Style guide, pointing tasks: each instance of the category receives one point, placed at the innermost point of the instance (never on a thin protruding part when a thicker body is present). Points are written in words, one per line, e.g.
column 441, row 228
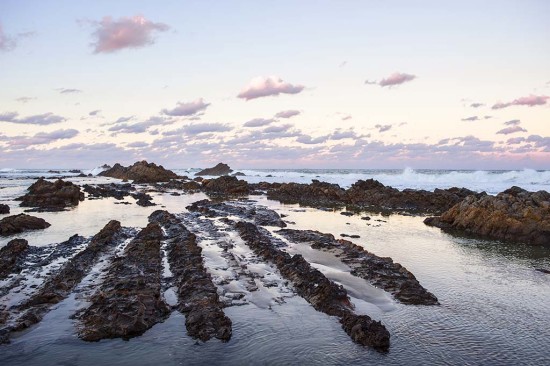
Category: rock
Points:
column 379, row 271
column 346, row 213
column 514, row 215
column 143, row 199
column 353, row 236
column 239, row 174
column 117, row 191
column 543, row 270
column 4, row 209
column 19, row 223
column 225, row 185
column 197, row 294
column 11, row 257
column 219, row 169
column 129, row 300
column 106, row 166
column 54, row 171
column 140, row 172
column 75, row 171
column 366, row 218
column 51, row 196
column 260, row 215
column 315, row 194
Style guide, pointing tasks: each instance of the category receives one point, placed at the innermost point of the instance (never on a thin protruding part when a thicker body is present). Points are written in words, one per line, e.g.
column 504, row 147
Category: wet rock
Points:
column 353, row 236
column 225, row 185
column 129, row 300
column 187, row 186
column 140, row 172
column 19, row 223
column 4, row 209
column 543, row 270
column 315, row 194
column 51, row 196
column 75, row 171
column 197, row 294
column 346, row 213
column 514, row 215
column 366, row 218
column 116, row 191
column 323, row 294
column 381, row 272
column 259, row 214
column 12, row 257
column 143, row 199
column 219, row 169
column 239, row 174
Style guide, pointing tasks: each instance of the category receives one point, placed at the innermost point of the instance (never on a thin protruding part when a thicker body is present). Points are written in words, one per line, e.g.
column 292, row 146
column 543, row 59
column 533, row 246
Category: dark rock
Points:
column 315, row 194
column 19, row 223
column 225, row 185
column 75, row 171
column 543, row 270
column 353, row 236
column 129, row 301
column 259, row 214
column 346, row 213
column 82, row 175
column 366, row 218
column 381, row 272
column 187, row 186
column 140, row 172
column 143, row 199
column 219, row 169
column 106, row 166
column 514, row 215
column 117, row 191
column 11, row 257
column 54, row 171
column 52, row 196
column 4, row 209
column 198, row 297
column 239, row 174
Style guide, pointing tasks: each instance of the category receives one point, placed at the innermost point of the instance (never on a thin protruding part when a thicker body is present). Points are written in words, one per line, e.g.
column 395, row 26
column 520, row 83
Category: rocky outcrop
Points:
column 140, row 172
column 19, row 223
column 11, row 257
column 513, row 215
column 219, row 169
column 116, row 191
column 197, row 294
column 129, row 300
column 4, row 209
column 381, row 272
column 258, row 214
column 323, row 294
column 225, row 185
column 143, row 199
column 51, row 196
column 316, row 194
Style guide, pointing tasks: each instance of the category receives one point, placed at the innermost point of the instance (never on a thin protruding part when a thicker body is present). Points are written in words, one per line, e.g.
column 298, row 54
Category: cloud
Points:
column 94, row 113
column 476, row 105
column 308, row 140
column 139, row 127
column 347, row 117
column 513, row 122
column 25, row 99
column 258, row 122
column 511, row 129
column 197, row 128
column 41, row 138
column 8, row 43
column 287, row 114
column 396, row 78
column 471, row 119
column 278, row 129
column 383, row 128
column 137, row 144
column 515, row 140
column 187, row 109
column 340, row 135
column 69, row 91
column 268, row 86
column 530, row 101
column 39, row 119
column 127, row 32
column 124, row 119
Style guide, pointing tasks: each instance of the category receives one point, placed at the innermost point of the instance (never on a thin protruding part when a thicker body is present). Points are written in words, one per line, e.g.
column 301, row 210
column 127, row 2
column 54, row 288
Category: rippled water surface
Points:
column 494, row 307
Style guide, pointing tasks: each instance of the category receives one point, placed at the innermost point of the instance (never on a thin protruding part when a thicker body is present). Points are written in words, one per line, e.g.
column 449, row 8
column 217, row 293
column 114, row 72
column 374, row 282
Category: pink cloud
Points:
column 531, row 101
column 511, row 129
column 187, row 109
column 287, row 114
column 268, row 86
column 397, row 78
column 113, row 35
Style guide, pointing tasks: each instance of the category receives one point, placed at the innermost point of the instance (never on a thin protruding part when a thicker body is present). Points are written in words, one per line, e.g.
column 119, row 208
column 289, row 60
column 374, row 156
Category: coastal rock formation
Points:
column 140, row 172
column 198, row 297
column 323, row 294
column 512, row 215
column 316, row 194
column 117, row 191
column 51, row 196
column 4, row 209
column 219, row 169
column 225, row 185
column 129, row 300
column 11, row 257
column 381, row 272
column 19, row 223
column 143, row 199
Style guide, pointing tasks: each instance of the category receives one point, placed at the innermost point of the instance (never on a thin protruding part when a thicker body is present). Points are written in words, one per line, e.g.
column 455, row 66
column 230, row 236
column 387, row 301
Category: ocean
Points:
column 494, row 302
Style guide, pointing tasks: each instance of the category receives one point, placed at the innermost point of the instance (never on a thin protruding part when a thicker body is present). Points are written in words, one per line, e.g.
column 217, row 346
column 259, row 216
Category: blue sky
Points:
column 381, row 84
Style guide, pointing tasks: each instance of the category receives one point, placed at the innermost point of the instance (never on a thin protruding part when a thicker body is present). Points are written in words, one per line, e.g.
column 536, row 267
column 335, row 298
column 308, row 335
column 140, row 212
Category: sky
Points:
column 275, row 84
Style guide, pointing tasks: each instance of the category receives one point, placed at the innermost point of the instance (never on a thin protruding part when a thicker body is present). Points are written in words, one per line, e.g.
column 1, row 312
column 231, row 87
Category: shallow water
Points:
column 494, row 304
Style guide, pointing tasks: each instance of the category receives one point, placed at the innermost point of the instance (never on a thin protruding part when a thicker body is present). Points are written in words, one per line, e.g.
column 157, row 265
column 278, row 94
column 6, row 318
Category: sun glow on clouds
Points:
column 268, row 86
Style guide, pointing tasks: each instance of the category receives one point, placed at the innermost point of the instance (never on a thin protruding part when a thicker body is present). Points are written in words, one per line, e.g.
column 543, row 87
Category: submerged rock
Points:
column 52, row 196
column 4, row 209
column 11, row 257
column 19, row 223
column 219, row 169
column 140, row 172
column 513, row 215
column 117, row 191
